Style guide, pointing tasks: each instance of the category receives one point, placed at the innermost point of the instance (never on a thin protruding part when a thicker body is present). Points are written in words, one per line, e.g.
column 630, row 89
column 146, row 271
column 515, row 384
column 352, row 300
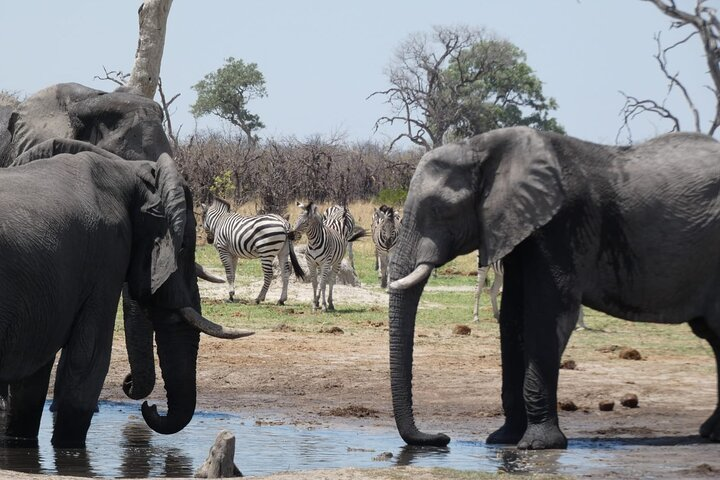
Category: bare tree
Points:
column 153, row 16
column 704, row 24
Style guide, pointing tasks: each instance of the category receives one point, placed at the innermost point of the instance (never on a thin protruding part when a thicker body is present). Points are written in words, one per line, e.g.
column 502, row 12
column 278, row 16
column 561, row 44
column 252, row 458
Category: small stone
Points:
column 606, row 405
column 461, row 330
column 567, row 405
column 629, row 400
column 630, row 354
column 383, row 457
column 568, row 365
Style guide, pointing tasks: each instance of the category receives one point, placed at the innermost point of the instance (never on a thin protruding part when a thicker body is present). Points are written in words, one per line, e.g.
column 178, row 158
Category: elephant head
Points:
column 162, row 279
column 122, row 122
column 490, row 193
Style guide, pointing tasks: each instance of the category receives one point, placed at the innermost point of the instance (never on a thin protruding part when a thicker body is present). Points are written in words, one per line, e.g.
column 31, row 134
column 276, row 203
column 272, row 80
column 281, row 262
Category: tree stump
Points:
column 220, row 462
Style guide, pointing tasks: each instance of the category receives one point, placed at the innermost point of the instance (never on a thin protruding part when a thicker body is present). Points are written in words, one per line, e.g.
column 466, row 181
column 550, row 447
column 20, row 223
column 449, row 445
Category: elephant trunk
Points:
column 139, row 383
column 402, row 312
column 177, row 351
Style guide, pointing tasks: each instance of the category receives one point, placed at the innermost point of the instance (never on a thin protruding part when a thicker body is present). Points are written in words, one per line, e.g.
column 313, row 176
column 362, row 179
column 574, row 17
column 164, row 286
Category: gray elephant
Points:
column 122, row 122
column 82, row 225
column 630, row 231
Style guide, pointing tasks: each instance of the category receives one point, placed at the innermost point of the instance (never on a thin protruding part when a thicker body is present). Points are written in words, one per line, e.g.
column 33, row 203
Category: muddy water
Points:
column 120, row 445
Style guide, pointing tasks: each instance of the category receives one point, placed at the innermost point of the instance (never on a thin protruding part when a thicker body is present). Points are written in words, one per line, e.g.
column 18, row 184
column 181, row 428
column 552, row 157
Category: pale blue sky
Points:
column 322, row 58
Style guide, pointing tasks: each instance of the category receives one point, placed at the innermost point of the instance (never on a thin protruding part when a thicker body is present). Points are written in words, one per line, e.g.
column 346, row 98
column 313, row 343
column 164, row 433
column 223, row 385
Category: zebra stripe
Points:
column 385, row 228
column 341, row 220
column 260, row 236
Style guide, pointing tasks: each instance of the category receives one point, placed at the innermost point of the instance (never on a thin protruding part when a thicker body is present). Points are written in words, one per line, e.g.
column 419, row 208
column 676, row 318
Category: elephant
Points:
column 121, row 122
column 81, row 226
column 631, row 231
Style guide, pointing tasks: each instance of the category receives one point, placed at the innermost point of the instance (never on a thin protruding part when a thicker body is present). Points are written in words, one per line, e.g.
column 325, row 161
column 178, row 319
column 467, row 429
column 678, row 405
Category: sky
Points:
column 321, row 59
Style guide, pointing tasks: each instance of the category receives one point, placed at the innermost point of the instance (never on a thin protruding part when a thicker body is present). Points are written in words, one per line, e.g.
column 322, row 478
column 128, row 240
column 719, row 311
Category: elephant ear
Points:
column 171, row 188
column 521, row 190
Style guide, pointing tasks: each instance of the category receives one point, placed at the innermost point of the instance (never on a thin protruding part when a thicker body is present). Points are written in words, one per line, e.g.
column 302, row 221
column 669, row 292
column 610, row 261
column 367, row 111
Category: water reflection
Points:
column 141, row 459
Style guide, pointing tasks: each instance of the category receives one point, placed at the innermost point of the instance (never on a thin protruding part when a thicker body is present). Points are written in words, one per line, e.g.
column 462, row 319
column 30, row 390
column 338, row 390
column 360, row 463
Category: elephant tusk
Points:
column 211, row 328
column 420, row 274
column 205, row 275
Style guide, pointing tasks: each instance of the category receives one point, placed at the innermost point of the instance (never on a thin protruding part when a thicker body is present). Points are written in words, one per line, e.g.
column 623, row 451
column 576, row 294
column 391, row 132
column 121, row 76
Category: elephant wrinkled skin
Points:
column 630, row 231
column 82, row 225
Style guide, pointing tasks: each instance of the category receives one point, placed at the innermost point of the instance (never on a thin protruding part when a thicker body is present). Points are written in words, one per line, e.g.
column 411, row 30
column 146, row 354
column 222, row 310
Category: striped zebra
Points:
column 495, row 288
column 483, row 270
column 259, row 236
column 385, row 228
column 325, row 250
column 340, row 219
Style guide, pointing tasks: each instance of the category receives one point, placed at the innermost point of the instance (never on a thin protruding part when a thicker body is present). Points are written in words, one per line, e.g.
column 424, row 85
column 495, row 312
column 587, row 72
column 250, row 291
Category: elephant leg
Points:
column 513, row 358
column 551, row 310
column 266, row 264
column 80, row 375
column 711, row 427
column 26, row 401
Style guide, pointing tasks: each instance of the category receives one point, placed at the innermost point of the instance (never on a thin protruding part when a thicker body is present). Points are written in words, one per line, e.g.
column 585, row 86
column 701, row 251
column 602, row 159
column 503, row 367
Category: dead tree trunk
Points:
column 153, row 16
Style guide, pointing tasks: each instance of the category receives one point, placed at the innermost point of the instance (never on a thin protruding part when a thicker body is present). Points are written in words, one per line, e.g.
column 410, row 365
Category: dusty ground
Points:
column 340, row 379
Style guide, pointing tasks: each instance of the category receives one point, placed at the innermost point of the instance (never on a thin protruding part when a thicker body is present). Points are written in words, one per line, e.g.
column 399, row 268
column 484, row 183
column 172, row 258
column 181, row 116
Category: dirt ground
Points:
column 341, row 379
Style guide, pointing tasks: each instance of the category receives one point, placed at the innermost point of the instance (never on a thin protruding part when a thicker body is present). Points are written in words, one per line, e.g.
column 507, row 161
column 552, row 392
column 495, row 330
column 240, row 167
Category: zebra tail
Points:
column 299, row 273
column 357, row 233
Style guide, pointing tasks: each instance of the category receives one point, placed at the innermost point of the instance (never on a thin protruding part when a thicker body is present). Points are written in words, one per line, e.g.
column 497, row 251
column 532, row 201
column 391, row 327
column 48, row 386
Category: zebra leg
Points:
column 325, row 274
column 229, row 261
column 377, row 262
column 383, row 269
column 312, row 270
column 331, row 279
column 494, row 291
column 284, row 263
column 481, row 276
column 267, row 278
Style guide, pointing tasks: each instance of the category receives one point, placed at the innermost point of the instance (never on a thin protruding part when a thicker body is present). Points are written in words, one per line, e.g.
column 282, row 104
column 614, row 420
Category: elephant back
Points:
column 44, row 115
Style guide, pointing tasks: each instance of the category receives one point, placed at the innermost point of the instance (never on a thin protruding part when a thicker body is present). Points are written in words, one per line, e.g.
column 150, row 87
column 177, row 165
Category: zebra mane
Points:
column 221, row 204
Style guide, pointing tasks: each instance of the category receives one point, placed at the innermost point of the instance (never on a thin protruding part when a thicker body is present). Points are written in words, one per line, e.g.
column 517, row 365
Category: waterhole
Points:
column 119, row 444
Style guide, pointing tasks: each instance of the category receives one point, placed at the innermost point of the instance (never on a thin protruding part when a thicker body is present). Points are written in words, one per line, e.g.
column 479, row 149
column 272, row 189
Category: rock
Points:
column 383, row 457
column 567, row 405
column 568, row 365
column 333, row 330
column 630, row 354
column 629, row 400
column 606, row 405
column 220, row 462
column 461, row 330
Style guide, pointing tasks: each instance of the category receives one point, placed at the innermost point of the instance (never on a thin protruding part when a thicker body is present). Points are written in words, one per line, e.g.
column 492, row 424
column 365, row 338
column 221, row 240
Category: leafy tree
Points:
column 226, row 93
column 459, row 81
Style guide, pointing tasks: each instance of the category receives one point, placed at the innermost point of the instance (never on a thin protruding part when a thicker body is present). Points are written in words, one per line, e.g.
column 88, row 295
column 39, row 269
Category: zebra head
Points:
column 211, row 214
column 309, row 216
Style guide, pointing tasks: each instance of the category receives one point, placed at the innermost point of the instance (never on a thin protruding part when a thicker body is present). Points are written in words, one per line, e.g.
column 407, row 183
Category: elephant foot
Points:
column 508, row 434
column 710, row 429
column 543, row 436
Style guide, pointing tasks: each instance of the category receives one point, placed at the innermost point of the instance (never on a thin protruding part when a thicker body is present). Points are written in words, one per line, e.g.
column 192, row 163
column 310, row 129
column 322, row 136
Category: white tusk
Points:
column 211, row 328
column 420, row 274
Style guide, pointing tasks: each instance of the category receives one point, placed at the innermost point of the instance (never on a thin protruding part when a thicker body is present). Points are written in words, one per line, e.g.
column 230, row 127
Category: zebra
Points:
column 325, row 250
column 385, row 228
column 340, row 219
column 495, row 288
column 259, row 236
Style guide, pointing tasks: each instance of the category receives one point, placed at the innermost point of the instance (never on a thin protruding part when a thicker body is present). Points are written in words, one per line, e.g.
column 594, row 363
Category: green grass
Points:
column 438, row 310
